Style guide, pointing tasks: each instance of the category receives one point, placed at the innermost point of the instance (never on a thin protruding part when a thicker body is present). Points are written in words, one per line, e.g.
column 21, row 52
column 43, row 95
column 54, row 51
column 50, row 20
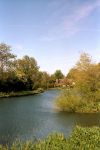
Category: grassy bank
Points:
column 71, row 101
column 81, row 139
column 21, row 93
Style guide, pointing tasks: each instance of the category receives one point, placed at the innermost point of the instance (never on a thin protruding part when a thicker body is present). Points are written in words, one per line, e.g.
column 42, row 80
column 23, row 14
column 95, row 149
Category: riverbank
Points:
column 21, row 93
column 81, row 138
column 71, row 101
column 25, row 93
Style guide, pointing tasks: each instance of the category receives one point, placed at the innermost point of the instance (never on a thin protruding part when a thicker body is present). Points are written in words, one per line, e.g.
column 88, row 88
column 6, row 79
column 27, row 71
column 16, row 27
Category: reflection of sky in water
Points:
column 26, row 117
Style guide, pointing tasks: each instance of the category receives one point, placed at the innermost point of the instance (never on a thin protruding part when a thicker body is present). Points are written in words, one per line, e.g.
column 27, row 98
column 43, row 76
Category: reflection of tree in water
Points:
column 88, row 119
column 67, row 121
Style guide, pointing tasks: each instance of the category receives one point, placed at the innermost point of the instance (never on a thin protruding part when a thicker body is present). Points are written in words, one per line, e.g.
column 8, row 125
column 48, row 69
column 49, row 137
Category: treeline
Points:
column 85, row 95
column 23, row 74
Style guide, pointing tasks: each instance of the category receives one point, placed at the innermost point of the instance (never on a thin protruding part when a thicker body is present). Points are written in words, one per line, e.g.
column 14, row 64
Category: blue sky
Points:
column 54, row 32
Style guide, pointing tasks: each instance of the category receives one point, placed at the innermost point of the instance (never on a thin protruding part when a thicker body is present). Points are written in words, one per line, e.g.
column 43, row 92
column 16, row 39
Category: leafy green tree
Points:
column 58, row 74
column 6, row 59
column 87, row 77
column 52, row 81
column 86, row 97
column 89, row 83
column 45, row 77
column 27, row 70
column 7, row 68
column 72, row 74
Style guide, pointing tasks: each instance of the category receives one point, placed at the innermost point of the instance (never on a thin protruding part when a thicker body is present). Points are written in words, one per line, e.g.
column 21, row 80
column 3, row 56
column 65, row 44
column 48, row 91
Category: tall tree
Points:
column 58, row 74
column 86, row 75
column 45, row 77
column 84, row 62
column 27, row 70
column 6, row 58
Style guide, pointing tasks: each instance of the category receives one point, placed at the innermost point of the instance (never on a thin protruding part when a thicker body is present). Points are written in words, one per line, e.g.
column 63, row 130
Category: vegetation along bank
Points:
column 81, row 139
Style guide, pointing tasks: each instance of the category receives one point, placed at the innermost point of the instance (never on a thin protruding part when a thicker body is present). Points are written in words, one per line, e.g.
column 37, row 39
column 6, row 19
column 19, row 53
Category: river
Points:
column 34, row 116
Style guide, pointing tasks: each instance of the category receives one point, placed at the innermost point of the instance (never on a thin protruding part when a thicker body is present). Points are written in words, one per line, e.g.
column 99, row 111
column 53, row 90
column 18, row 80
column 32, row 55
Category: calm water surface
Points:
column 35, row 116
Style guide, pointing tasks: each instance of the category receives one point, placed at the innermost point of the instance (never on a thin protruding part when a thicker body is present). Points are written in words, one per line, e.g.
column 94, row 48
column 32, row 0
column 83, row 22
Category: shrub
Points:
column 69, row 100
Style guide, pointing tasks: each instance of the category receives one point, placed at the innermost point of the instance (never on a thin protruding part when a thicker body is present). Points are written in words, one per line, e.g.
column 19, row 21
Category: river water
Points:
column 34, row 116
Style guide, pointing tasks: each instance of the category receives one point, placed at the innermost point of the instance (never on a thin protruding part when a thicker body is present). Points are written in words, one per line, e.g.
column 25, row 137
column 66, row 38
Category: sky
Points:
column 54, row 32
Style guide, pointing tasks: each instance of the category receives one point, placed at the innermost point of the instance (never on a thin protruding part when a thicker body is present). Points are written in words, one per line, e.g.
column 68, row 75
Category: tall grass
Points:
column 81, row 139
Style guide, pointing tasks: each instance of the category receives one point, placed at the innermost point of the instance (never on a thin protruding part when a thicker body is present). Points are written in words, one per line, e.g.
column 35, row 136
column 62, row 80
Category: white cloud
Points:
column 81, row 13
column 69, row 24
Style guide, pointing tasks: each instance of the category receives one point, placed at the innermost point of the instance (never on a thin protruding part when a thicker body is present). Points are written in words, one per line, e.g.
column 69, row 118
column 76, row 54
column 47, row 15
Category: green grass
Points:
column 81, row 139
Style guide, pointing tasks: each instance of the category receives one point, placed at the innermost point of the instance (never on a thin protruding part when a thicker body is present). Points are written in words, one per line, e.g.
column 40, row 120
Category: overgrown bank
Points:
column 81, row 139
column 84, row 96
column 71, row 101
column 21, row 93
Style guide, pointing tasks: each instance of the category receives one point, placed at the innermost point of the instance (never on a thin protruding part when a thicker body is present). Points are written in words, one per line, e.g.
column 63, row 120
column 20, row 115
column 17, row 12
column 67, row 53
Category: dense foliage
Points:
column 85, row 95
column 22, row 74
column 81, row 139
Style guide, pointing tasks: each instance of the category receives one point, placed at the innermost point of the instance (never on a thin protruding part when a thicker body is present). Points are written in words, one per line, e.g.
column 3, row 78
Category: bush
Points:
column 69, row 100
column 85, row 138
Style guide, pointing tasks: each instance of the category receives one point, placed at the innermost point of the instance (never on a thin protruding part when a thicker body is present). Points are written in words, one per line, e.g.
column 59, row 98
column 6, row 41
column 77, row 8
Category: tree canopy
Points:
column 85, row 95
column 20, row 74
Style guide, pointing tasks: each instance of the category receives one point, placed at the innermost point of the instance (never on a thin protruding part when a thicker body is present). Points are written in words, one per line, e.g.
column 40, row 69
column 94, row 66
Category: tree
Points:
column 84, row 62
column 72, row 74
column 45, row 77
column 79, row 71
column 58, row 74
column 89, row 83
column 85, row 95
column 7, row 72
column 86, row 75
column 6, row 58
column 27, row 70
column 52, row 81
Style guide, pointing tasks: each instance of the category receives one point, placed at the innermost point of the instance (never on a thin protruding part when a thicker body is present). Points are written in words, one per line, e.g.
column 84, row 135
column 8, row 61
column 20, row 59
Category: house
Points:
column 64, row 83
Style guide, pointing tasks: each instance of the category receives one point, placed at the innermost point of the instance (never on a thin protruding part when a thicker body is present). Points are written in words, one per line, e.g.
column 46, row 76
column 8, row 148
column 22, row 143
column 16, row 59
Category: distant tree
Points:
column 45, row 77
column 84, row 62
column 58, row 74
column 52, row 81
